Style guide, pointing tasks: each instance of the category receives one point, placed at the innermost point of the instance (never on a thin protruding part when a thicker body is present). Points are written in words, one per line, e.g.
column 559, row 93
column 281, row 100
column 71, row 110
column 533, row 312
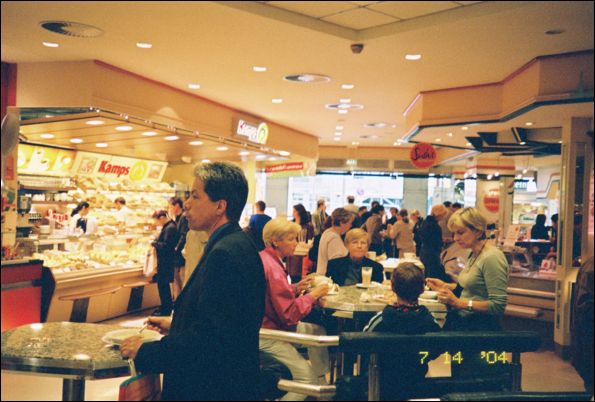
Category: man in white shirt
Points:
column 123, row 214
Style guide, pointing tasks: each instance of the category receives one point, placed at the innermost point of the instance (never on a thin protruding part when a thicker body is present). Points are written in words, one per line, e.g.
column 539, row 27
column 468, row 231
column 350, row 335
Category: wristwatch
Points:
column 470, row 305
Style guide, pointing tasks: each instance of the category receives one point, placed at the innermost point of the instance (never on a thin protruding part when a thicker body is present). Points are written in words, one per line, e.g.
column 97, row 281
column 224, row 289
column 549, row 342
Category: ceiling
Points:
column 216, row 44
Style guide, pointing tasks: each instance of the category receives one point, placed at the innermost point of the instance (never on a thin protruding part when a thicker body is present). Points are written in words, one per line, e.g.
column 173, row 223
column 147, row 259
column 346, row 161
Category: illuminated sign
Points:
column 258, row 133
column 422, row 155
column 117, row 167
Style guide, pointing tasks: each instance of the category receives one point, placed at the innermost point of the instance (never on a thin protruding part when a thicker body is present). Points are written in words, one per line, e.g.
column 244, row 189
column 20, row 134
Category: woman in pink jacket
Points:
column 287, row 304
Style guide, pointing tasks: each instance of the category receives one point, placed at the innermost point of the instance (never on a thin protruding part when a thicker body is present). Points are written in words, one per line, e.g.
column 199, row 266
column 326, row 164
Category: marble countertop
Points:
column 63, row 349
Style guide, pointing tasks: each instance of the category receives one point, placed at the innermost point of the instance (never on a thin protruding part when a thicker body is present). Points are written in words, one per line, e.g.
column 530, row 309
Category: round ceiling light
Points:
column 375, row 125
column 70, row 28
column 344, row 106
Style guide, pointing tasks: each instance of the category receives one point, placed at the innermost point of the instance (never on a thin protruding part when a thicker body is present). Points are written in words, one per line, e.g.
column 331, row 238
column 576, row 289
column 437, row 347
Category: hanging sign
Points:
column 117, row 167
column 491, row 200
column 254, row 132
column 422, row 155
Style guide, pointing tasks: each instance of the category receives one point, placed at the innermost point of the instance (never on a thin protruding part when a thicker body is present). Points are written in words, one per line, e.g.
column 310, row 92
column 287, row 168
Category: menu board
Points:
column 39, row 160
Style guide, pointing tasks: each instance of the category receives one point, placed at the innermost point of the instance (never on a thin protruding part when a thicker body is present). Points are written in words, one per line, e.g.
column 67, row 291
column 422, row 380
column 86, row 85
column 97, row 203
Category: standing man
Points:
column 211, row 350
column 319, row 217
column 351, row 207
column 257, row 222
column 176, row 213
column 123, row 214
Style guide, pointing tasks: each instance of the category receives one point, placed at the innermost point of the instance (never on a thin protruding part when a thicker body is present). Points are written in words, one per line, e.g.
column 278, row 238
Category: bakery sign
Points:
column 117, row 167
column 254, row 132
column 422, row 155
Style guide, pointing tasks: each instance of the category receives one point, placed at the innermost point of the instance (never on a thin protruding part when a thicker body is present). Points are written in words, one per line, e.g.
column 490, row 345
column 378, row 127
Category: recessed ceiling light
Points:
column 223, row 148
column 172, row 138
column 347, row 86
column 260, row 157
column 47, row 136
column 396, row 144
column 124, row 128
column 50, row 44
column 76, row 140
column 306, row 78
column 529, row 123
column 284, row 153
column 150, row 133
column 101, row 145
column 144, row 45
column 95, row 122
column 337, row 139
column 272, row 158
column 355, row 143
column 468, row 144
column 345, row 100
column 342, row 111
column 244, row 153
column 413, row 57
column 375, row 125
column 339, row 128
column 559, row 142
column 449, row 134
column 525, row 170
column 338, row 133
column 438, row 139
column 464, row 128
column 277, row 100
column 194, row 86
column 195, row 143
column 555, row 32
column 205, row 161
column 259, row 69
column 522, row 142
column 394, row 126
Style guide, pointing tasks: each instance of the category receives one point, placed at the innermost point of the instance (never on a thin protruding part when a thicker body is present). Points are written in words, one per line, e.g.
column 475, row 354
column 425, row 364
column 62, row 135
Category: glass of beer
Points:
column 366, row 276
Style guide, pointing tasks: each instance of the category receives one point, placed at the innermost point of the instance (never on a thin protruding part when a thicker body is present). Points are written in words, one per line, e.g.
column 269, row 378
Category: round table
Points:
column 72, row 351
column 390, row 264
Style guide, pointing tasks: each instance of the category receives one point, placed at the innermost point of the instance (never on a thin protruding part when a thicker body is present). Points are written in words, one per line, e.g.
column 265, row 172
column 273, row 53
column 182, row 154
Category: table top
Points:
column 62, row 349
column 349, row 300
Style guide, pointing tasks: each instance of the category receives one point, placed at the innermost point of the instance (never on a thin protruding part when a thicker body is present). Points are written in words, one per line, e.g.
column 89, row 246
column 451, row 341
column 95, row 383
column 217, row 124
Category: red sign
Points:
column 422, row 155
column 285, row 167
column 491, row 200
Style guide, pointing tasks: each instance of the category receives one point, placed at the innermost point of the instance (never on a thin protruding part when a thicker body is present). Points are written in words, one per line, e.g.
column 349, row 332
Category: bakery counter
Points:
column 97, row 294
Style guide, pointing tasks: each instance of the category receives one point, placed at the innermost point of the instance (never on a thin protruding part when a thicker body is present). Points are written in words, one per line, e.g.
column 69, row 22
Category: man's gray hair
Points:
column 224, row 181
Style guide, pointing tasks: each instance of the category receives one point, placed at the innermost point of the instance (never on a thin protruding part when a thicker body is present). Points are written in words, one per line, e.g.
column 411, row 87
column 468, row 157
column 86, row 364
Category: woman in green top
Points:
column 479, row 298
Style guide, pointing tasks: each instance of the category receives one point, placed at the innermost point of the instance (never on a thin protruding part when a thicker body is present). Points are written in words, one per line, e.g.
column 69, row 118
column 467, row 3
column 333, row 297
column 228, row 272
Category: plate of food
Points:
column 118, row 336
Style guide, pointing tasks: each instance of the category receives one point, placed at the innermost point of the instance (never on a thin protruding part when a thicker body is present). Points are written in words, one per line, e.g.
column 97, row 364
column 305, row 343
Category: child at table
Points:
column 399, row 373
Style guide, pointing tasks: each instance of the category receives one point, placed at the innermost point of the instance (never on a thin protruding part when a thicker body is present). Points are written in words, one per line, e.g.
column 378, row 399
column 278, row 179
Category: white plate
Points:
column 362, row 286
column 116, row 337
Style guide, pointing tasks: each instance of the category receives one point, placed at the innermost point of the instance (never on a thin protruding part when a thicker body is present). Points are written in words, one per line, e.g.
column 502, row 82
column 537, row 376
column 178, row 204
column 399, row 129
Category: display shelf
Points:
column 53, row 202
column 41, row 188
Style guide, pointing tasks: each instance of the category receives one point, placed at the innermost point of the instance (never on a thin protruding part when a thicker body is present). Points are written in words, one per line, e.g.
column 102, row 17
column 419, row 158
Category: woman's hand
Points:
column 446, row 296
column 320, row 291
column 159, row 324
column 435, row 284
column 304, row 284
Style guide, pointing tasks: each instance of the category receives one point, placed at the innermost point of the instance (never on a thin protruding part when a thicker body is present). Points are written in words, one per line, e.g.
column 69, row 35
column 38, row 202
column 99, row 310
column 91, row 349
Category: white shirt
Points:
column 331, row 247
column 124, row 215
column 91, row 224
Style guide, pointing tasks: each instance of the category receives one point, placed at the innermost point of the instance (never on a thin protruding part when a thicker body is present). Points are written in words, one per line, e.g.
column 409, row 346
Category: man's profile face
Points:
column 201, row 212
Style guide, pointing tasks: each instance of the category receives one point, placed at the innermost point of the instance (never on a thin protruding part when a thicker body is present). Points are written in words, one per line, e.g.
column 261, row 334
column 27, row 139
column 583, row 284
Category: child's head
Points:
column 408, row 282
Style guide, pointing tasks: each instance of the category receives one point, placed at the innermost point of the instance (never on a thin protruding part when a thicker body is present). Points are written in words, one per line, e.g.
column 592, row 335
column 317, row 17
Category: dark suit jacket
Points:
column 182, row 226
column 211, row 352
column 166, row 255
column 339, row 267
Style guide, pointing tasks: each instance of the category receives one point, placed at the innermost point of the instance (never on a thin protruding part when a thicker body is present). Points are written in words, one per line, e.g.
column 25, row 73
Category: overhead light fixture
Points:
column 497, row 174
column 50, row 44
column 47, row 136
column 355, row 143
column 95, row 122
column 469, row 144
column 172, row 138
column 195, row 143
column 338, row 128
column 529, row 123
column 342, row 111
column 205, row 161
column 260, row 157
column 347, row 86
column 277, row 100
column 396, row 143
column 124, row 128
column 338, row 133
column 272, row 158
column 222, row 148
column 464, row 128
column 490, row 176
column 144, row 45
column 244, row 153
column 337, row 139
column 345, row 100
column 438, row 139
column 555, row 32
column 307, row 78
column 284, row 153
column 449, row 134
column 194, row 86
column 522, row 143
column 559, row 142
column 413, row 57
column 375, row 125
column 525, row 171
column 519, row 176
column 150, row 133
column 76, row 140
column 259, row 69
column 101, row 145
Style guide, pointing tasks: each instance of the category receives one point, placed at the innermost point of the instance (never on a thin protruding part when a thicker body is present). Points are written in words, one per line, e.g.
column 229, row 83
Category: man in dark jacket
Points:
column 211, row 352
column 176, row 213
column 165, row 248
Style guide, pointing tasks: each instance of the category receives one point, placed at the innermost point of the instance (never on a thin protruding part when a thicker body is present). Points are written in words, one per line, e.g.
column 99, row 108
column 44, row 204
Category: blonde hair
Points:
column 470, row 218
column 278, row 229
column 415, row 212
column 356, row 234
column 439, row 211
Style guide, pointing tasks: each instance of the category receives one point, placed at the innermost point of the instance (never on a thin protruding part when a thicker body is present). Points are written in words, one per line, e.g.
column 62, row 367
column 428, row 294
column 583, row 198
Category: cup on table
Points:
column 372, row 255
column 366, row 276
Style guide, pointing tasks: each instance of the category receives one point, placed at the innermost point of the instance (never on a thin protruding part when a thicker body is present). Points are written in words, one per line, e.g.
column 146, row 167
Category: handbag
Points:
column 143, row 387
column 150, row 267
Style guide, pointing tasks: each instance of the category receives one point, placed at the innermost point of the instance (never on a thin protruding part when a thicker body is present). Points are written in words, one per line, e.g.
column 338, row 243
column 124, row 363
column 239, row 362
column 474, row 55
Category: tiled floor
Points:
column 542, row 371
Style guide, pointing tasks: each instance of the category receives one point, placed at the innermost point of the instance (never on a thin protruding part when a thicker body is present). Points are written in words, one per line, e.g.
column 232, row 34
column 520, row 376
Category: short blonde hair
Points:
column 470, row 218
column 415, row 212
column 278, row 229
column 356, row 234
column 439, row 211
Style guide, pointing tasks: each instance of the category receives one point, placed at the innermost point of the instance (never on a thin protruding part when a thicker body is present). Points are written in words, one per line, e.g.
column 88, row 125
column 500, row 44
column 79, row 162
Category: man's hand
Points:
column 130, row 346
column 159, row 324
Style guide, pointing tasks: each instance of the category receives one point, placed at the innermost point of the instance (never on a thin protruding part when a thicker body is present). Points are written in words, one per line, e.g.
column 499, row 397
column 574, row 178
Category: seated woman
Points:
column 347, row 270
column 286, row 305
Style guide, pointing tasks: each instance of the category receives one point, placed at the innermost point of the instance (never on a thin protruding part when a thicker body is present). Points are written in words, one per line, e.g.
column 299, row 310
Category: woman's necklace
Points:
column 478, row 254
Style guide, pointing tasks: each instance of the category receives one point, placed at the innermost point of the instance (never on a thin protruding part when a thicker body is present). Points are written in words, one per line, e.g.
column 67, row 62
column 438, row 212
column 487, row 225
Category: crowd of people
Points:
column 243, row 282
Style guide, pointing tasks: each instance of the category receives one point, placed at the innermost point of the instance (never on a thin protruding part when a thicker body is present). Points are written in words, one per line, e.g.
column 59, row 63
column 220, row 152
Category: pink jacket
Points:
column 282, row 310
